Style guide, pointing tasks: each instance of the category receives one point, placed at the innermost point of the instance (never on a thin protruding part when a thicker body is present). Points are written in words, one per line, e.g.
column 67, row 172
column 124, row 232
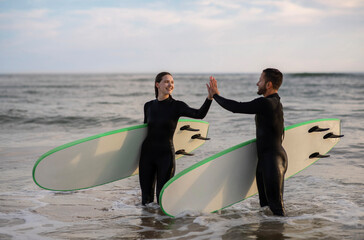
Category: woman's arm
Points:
column 187, row 111
column 145, row 113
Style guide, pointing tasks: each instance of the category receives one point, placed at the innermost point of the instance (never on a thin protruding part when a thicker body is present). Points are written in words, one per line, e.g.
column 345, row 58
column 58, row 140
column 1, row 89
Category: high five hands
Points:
column 212, row 87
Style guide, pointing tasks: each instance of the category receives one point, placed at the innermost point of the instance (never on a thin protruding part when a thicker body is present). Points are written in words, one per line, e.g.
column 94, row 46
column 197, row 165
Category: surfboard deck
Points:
column 228, row 177
column 106, row 157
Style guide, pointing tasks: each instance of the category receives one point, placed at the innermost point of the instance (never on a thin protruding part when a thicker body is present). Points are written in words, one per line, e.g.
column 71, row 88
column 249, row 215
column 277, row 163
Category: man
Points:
column 272, row 158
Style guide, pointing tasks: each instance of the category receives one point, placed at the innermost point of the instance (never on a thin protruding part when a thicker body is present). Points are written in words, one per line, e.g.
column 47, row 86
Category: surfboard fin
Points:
column 183, row 152
column 188, row 128
column 331, row 135
column 317, row 129
column 318, row 155
column 198, row 136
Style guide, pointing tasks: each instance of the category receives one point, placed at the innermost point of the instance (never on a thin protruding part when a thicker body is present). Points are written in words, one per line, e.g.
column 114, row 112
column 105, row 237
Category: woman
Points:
column 157, row 161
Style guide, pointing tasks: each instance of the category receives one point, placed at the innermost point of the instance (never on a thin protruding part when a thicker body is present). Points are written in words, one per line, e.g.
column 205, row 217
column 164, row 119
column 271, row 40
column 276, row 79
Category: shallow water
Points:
column 40, row 112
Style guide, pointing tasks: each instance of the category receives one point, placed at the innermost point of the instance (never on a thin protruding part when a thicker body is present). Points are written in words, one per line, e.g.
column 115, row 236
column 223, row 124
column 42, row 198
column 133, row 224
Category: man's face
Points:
column 261, row 85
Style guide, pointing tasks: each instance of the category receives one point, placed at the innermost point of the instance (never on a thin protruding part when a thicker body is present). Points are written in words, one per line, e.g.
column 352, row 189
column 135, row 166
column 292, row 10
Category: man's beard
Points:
column 261, row 91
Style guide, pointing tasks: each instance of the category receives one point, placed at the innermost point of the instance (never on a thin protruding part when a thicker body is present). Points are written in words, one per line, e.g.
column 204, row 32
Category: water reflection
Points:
column 156, row 225
column 265, row 230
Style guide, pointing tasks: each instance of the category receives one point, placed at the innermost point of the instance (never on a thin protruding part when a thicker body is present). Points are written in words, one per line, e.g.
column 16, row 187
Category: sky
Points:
column 194, row 36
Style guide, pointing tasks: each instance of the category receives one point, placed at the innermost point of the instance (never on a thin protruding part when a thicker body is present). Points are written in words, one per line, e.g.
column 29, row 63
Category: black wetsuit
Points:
column 272, row 158
column 157, row 161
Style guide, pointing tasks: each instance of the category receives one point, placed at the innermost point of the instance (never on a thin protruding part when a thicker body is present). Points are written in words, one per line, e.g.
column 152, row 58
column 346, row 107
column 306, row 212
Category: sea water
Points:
column 39, row 112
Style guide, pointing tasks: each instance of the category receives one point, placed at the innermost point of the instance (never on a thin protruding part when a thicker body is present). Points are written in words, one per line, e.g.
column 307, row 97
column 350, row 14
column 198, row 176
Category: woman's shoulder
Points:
column 179, row 102
column 149, row 103
column 173, row 101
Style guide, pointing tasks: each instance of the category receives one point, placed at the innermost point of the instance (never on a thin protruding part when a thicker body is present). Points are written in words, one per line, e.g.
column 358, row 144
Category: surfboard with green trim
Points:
column 228, row 177
column 107, row 157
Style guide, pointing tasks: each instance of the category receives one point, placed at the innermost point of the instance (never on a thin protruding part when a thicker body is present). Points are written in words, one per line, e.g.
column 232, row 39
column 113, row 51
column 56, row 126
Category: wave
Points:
column 143, row 80
column 52, row 120
column 295, row 109
column 310, row 75
column 62, row 120
column 130, row 94
column 69, row 121
column 50, row 86
column 10, row 119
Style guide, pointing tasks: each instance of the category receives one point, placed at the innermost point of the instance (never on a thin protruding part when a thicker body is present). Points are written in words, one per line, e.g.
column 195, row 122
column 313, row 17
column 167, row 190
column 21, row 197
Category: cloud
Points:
column 194, row 35
column 338, row 4
column 120, row 23
column 32, row 24
column 293, row 13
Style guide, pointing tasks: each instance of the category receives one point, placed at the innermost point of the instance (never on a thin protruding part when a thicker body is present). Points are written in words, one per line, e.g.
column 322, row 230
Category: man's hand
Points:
column 212, row 87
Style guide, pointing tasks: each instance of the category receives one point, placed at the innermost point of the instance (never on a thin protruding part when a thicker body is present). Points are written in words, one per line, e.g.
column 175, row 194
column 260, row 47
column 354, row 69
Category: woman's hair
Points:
column 158, row 79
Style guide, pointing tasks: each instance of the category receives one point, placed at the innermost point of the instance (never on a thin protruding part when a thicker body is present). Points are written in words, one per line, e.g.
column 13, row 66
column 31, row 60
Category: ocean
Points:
column 41, row 111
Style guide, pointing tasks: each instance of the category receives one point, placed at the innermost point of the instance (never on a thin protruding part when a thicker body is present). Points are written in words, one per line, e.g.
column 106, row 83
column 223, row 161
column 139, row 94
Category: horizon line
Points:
column 177, row 72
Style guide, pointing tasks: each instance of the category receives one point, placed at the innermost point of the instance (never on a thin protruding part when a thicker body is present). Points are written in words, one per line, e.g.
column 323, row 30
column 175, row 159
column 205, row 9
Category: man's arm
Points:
column 252, row 107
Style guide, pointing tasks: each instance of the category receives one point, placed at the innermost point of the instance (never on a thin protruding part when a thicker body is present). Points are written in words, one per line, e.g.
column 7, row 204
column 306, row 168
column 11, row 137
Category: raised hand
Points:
column 212, row 87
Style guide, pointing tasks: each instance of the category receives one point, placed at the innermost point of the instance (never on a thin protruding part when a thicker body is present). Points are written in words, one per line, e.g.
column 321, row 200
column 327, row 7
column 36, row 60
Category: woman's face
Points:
column 166, row 86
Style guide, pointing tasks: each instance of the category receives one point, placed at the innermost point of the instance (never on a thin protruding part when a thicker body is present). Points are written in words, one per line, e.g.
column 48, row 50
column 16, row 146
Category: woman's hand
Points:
column 212, row 88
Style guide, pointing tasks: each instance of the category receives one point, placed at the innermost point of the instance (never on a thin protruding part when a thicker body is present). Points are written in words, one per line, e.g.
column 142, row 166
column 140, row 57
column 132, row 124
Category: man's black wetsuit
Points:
column 157, row 161
column 272, row 158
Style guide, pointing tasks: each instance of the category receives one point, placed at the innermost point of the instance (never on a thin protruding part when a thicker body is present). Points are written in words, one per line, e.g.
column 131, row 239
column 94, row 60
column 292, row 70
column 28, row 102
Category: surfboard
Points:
column 107, row 157
column 228, row 177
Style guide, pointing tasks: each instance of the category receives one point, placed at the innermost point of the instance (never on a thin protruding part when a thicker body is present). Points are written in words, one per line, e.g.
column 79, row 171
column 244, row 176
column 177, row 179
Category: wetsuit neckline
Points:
column 165, row 100
column 273, row 95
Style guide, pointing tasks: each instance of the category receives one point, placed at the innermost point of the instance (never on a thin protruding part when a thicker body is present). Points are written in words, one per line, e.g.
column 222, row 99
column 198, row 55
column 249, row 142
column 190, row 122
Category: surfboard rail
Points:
column 75, row 144
column 232, row 149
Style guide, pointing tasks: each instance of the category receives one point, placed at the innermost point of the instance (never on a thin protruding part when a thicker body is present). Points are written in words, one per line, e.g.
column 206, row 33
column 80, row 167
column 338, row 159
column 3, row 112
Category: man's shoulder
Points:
column 264, row 103
column 260, row 99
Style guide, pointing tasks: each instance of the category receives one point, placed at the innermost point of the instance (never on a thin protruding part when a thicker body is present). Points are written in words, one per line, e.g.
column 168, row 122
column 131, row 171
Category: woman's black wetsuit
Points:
column 272, row 158
column 157, row 161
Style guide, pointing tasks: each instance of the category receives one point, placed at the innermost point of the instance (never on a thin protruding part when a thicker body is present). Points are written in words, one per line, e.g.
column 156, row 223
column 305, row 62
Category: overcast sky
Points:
column 181, row 36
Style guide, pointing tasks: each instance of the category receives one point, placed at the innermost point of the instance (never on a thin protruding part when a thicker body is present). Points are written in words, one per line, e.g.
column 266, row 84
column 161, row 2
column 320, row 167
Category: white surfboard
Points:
column 107, row 157
column 228, row 177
